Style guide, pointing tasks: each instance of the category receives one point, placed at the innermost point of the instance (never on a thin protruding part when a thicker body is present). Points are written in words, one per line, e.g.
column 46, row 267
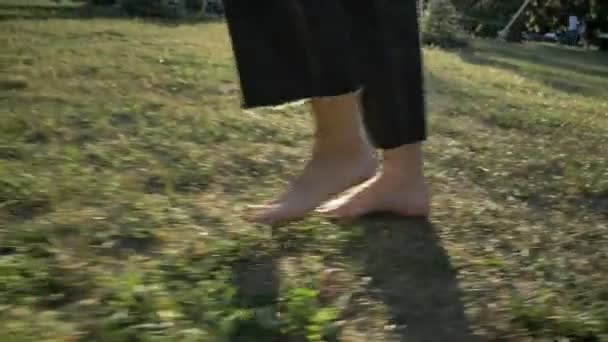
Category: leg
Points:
column 293, row 49
column 341, row 157
column 394, row 111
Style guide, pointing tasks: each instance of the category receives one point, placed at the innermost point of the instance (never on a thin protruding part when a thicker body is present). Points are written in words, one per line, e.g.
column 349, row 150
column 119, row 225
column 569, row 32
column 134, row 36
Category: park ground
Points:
column 125, row 161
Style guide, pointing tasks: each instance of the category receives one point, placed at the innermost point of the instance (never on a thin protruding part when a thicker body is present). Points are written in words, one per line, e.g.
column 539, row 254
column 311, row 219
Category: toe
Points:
column 261, row 214
column 337, row 211
column 275, row 214
column 327, row 208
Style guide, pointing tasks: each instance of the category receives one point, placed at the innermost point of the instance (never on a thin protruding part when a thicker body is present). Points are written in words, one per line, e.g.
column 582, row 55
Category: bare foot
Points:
column 396, row 193
column 322, row 178
column 342, row 157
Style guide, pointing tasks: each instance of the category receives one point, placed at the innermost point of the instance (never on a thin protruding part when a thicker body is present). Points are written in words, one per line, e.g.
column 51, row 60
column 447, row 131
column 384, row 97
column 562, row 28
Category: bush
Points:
column 441, row 25
column 169, row 8
column 157, row 8
column 195, row 5
column 101, row 2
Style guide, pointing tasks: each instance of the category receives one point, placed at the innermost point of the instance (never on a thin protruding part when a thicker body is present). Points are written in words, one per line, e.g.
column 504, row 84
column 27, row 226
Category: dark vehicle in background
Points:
column 602, row 41
column 599, row 39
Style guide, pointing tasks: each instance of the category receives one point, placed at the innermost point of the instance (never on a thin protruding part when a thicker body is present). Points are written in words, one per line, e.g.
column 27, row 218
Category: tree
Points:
column 513, row 31
column 441, row 25
column 196, row 5
column 550, row 15
column 598, row 11
column 160, row 8
column 486, row 17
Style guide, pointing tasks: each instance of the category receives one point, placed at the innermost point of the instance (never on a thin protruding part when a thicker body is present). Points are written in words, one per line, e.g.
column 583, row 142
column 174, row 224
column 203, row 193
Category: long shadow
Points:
column 410, row 271
column 555, row 79
column 257, row 284
column 411, row 274
column 590, row 63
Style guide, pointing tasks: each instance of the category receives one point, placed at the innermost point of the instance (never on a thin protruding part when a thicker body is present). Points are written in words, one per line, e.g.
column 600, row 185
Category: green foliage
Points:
column 21, row 194
column 599, row 14
column 304, row 314
column 542, row 318
column 101, row 2
column 441, row 25
column 160, row 8
column 196, row 5
column 548, row 15
column 163, row 8
column 487, row 17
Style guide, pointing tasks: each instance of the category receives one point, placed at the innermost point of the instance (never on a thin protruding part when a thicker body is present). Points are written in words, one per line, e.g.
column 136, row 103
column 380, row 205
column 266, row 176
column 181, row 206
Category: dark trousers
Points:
column 288, row 50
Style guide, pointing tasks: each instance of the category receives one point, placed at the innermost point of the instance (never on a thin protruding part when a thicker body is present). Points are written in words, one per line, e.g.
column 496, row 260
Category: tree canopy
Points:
column 487, row 17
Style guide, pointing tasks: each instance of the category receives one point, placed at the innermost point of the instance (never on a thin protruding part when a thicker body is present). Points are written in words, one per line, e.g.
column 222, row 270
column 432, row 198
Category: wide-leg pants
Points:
column 288, row 50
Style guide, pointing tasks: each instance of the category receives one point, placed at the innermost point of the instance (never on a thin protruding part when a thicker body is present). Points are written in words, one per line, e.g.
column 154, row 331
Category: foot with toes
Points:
column 343, row 162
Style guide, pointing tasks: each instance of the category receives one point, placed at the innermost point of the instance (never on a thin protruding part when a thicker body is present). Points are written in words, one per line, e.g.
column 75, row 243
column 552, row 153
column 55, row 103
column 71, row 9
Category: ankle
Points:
column 403, row 162
column 337, row 149
column 338, row 124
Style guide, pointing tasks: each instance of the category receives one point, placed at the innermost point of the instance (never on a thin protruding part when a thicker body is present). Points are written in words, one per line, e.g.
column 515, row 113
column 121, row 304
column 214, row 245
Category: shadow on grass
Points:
column 257, row 285
column 412, row 275
column 553, row 66
column 591, row 63
column 410, row 271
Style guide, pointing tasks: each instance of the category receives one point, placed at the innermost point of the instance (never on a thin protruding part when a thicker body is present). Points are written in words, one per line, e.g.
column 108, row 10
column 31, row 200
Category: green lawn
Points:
column 125, row 161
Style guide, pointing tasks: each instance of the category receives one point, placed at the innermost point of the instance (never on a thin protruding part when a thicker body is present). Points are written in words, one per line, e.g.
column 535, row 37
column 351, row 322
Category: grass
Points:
column 125, row 160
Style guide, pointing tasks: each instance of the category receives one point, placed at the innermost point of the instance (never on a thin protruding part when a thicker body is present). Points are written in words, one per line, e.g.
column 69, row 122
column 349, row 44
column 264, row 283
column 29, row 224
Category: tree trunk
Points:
column 420, row 8
column 512, row 32
column 179, row 8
